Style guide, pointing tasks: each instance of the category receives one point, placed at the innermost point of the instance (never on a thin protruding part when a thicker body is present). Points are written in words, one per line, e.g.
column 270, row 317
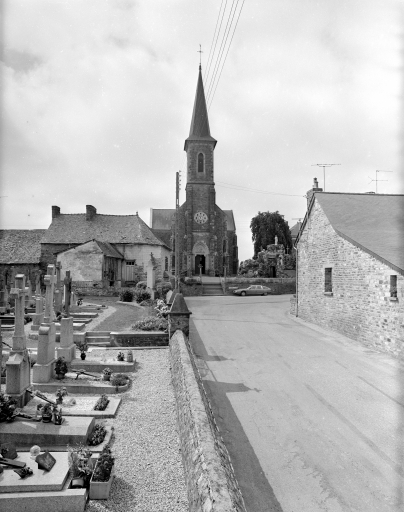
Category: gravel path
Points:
column 148, row 465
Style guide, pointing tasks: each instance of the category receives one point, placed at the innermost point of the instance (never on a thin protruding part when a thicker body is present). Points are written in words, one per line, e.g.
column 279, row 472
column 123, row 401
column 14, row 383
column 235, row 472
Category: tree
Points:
column 265, row 226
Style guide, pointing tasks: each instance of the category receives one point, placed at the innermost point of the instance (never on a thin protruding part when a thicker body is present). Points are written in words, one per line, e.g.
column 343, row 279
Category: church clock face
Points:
column 200, row 217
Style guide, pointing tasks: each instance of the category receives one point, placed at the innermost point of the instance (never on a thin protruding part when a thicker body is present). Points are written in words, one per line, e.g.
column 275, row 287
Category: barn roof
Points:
column 106, row 248
column 20, row 245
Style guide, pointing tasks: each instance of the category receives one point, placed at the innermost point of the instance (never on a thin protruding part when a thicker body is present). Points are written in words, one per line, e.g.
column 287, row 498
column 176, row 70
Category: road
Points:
column 313, row 421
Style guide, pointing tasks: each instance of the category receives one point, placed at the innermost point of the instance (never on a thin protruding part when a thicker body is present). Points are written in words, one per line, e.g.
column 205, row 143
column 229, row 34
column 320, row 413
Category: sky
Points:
column 97, row 98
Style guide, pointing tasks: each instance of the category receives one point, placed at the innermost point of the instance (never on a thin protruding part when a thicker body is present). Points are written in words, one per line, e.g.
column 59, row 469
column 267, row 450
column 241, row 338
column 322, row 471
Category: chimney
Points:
column 55, row 212
column 91, row 212
column 312, row 190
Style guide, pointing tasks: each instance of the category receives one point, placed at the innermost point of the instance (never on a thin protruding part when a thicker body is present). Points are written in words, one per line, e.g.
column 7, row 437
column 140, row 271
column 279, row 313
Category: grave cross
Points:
column 49, row 281
column 58, row 291
column 18, row 293
column 68, row 291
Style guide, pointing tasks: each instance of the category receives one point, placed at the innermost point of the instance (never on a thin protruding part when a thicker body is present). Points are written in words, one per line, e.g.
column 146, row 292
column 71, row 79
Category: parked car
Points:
column 255, row 289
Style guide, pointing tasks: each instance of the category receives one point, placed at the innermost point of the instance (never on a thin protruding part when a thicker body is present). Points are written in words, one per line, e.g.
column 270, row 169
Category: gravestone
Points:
column 151, row 276
column 37, row 317
column 18, row 377
column 67, row 348
column 58, row 290
column 28, row 298
column 43, row 370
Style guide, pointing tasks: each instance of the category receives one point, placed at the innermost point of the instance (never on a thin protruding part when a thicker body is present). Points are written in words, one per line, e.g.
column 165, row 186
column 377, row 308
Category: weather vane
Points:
column 200, row 55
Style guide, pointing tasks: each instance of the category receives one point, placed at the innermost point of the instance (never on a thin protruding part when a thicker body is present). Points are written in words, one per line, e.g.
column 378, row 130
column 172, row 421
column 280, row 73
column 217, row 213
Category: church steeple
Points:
column 199, row 130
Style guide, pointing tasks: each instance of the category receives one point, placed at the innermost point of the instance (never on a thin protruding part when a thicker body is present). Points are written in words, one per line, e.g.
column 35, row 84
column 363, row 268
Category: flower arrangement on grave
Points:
column 57, row 415
column 102, row 403
column 60, row 394
column 121, row 356
column 83, row 347
column 106, row 373
column 7, row 408
column 161, row 308
column 97, row 435
column 61, row 367
column 46, row 412
column 104, row 465
column 80, row 467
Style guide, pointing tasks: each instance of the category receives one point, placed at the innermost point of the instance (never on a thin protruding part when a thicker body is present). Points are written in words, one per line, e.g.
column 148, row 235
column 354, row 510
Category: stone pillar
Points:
column 178, row 317
column 43, row 370
column 67, row 347
column 58, row 290
column 18, row 377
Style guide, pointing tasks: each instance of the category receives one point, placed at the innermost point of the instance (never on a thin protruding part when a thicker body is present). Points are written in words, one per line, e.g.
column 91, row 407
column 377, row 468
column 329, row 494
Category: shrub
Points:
column 119, row 379
column 97, row 435
column 151, row 323
column 141, row 294
column 162, row 309
column 104, row 465
column 142, row 285
column 126, row 296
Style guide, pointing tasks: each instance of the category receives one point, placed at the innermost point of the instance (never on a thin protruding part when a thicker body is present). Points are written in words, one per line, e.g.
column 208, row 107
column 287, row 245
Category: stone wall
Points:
column 278, row 285
column 138, row 339
column 360, row 305
column 209, row 474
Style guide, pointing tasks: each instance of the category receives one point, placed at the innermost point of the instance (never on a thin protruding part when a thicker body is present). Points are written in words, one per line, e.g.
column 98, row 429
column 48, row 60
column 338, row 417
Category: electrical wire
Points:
column 247, row 189
column 211, row 46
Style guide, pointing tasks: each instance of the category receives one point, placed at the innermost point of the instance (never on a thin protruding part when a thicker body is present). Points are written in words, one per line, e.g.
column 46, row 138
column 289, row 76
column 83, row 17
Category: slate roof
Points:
column 231, row 226
column 20, row 245
column 106, row 248
column 200, row 123
column 115, row 229
column 294, row 230
column 372, row 222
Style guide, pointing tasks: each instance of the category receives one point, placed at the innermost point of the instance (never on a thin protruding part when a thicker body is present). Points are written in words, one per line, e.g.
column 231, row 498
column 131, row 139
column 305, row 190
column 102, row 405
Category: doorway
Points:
column 199, row 260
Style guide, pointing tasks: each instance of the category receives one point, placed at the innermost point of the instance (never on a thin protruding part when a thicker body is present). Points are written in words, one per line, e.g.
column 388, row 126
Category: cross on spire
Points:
column 200, row 55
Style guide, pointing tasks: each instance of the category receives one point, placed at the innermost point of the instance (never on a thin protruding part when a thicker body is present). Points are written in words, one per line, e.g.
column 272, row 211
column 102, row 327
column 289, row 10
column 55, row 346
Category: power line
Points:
column 211, row 46
column 247, row 189
column 222, row 46
column 217, row 37
column 228, row 48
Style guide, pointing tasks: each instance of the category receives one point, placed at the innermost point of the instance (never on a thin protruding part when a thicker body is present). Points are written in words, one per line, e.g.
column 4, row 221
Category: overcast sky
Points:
column 97, row 99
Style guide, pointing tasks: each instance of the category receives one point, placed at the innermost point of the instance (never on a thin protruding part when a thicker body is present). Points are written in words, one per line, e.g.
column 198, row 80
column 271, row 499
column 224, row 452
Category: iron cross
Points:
column 200, row 54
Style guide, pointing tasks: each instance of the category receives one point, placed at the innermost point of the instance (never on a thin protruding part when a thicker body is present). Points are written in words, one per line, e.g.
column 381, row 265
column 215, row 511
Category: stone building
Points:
column 107, row 250
column 20, row 253
column 207, row 234
column 350, row 266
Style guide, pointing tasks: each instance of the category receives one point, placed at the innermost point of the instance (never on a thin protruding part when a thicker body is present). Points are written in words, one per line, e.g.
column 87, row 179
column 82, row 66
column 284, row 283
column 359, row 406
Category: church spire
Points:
column 200, row 123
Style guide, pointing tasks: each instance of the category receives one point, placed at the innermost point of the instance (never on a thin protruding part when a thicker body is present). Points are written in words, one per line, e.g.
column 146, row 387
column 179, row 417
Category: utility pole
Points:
column 324, row 166
column 377, row 180
column 177, row 226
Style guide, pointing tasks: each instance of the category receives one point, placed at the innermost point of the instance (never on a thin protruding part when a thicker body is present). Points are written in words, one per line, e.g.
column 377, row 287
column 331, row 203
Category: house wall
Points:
column 360, row 306
column 141, row 254
column 85, row 262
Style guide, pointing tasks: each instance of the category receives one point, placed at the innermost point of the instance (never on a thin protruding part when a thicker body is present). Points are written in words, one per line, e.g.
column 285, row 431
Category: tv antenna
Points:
column 324, row 166
column 377, row 180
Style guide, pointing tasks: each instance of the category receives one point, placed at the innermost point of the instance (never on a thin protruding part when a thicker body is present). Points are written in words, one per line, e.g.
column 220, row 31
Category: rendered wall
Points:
column 84, row 262
column 360, row 306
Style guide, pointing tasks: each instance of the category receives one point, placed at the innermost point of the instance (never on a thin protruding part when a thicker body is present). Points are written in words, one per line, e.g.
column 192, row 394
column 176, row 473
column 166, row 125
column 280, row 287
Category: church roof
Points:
column 372, row 222
column 231, row 225
column 115, row 229
column 161, row 218
column 20, row 245
column 200, row 123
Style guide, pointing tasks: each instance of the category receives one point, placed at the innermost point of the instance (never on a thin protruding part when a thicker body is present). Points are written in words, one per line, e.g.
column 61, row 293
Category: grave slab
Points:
column 88, row 314
column 109, row 412
column 80, row 387
column 89, row 365
column 73, row 430
column 66, row 500
column 41, row 480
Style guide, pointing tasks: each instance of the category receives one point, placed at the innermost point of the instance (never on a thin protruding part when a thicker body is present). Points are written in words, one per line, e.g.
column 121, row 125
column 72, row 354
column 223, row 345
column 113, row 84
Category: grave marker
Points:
column 151, row 275
column 67, row 347
column 58, row 291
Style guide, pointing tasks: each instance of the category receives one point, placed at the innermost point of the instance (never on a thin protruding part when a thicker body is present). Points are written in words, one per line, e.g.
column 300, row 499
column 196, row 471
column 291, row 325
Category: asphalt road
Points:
column 313, row 421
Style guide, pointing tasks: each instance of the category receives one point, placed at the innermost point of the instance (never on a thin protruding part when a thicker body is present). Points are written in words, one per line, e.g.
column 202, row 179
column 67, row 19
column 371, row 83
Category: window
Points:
column 129, row 263
column 200, row 162
column 328, row 280
column 393, row 286
column 166, row 264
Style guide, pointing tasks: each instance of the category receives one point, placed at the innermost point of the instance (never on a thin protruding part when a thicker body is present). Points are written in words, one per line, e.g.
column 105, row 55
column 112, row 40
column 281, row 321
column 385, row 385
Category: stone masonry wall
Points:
column 211, row 484
column 360, row 305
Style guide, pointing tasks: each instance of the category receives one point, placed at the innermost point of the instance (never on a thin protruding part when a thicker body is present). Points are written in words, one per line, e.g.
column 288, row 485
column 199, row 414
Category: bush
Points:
column 142, row 285
column 126, row 296
column 141, row 294
column 151, row 323
column 119, row 379
column 98, row 435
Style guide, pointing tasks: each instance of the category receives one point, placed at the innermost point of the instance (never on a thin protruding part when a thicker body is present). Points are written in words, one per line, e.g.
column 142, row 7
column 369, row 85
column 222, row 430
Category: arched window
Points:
column 200, row 162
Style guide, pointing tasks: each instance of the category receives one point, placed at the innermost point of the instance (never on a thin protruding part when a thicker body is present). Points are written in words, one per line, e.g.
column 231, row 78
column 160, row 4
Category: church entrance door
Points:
column 199, row 260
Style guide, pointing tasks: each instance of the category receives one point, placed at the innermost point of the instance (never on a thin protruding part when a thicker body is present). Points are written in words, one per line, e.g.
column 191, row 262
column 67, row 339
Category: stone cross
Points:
column 49, row 280
column 276, row 240
column 68, row 292
column 18, row 293
column 58, row 291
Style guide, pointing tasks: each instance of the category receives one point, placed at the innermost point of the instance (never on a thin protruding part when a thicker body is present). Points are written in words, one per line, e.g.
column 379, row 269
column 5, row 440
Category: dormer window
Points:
column 201, row 164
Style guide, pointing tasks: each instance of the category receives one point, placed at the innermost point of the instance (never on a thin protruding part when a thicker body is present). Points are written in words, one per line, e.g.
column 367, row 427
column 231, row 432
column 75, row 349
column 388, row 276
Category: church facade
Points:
column 207, row 234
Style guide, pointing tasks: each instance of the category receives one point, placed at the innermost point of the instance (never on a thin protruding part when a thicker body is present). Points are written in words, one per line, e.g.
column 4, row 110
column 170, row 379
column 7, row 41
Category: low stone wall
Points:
column 278, row 285
column 138, row 339
column 209, row 474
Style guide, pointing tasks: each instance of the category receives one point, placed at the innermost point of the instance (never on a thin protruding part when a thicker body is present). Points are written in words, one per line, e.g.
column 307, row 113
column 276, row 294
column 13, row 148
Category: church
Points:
column 207, row 234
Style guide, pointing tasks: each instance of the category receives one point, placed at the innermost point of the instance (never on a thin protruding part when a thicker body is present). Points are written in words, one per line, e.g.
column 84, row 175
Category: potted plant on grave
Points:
column 80, row 466
column 7, row 408
column 60, row 394
column 106, row 373
column 60, row 368
column 83, row 347
column 103, row 476
column 46, row 412
column 121, row 356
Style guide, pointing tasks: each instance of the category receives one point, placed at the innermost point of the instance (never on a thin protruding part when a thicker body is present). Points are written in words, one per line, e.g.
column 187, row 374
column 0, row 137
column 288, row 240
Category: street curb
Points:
column 209, row 474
